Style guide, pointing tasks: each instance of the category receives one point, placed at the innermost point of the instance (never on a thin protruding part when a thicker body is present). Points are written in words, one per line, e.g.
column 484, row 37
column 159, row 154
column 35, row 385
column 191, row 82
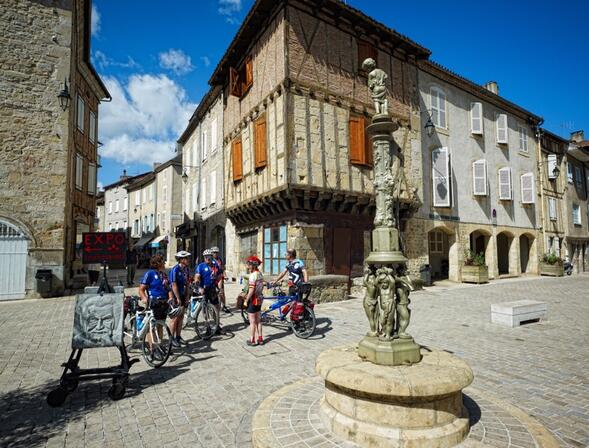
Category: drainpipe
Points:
column 541, row 178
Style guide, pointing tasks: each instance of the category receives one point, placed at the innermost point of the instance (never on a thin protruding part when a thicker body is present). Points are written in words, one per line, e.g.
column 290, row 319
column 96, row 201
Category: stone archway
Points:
column 528, row 254
column 504, row 243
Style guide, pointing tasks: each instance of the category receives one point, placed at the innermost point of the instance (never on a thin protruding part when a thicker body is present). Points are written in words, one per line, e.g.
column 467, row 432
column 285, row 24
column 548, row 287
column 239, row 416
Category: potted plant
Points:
column 551, row 264
column 474, row 270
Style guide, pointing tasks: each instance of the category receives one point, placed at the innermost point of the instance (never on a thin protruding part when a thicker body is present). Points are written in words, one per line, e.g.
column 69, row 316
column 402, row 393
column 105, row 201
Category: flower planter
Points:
column 554, row 270
column 475, row 274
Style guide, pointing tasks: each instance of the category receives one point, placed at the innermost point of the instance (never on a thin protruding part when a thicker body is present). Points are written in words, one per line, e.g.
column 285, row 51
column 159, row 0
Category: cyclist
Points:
column 154, row 290
column 297, row 273
column 254, row 300
column 179, row 283
column 204, row 277
column 220, row 274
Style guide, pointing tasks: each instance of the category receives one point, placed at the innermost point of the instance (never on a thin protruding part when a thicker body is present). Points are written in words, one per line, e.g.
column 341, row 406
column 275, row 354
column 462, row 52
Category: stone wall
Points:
column 329, row 288
column 307, row 240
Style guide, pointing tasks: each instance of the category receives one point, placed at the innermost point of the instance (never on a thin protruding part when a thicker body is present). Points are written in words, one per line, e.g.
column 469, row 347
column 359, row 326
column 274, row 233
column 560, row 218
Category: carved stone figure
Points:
column 371, row 300
column 377, row 85
column 403, row 286
column 386, row 288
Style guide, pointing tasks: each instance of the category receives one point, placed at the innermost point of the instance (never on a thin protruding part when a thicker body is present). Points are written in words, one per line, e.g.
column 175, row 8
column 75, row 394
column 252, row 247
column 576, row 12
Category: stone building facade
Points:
column 116, row 204
column 100, row 217
column 142, row 211
column 49, row 159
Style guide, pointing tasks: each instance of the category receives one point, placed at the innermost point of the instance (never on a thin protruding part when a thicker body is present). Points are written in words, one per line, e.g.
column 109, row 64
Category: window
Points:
column 144, row 195
column 552, row 164
column 203, row 193
column 136, row 227
column 195, row 152
column 436, row 242
column 116, row 226
column 505, row 190
column 214, row 135
column 274, row 249
column 240, row 81
column 125, row 225
column 165, row 193
column 213, row 186
column 237, row 161
column 109, row 207
column 578, row 177
column 479, row 178
column 260, row 154
column 110, row 226
column 159, row 219
column 527, row 187
column 502, row 129
column 125, row 204
column 79, row 171
column 360, row 150
column 150, row 191
column 117, row 205
column 576, row 214
column 163, row 220
column 204, row 144
column 194, row 196
column 441, row 177
column 366, row 50
column 476, row 118
column 569, row 172
column 552, row 208
column 81, row 108
column 438, row 107
column 92, row 178
column 523, row 138
column 92, row 130
column 152, row 221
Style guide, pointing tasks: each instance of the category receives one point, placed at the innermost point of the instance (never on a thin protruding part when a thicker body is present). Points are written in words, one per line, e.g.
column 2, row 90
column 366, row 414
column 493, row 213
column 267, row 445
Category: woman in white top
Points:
column 254, row 300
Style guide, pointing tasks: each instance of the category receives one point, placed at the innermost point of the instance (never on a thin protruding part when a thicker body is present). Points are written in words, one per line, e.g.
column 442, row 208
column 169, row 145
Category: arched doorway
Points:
column 14, row 248
column 504, row 243
column 526, row 256
column 439, row 254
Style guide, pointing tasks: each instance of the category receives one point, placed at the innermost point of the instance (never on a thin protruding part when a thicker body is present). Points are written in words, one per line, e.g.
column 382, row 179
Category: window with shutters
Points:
column 109, row 207
column 80, row 114
column 92, row 179
column 479, row 177
column 236, row 160
column 92, row 126
column 438, row 107
column 194, row 197
column 527, row 188
column 214, row 135
column 551, row 166
column 138, row 198
column 501, row 129
column 523, row 138
column 240, row 81
column 117, row 206
column 260, row 150
column 366, row 50
column 360, row 147
column 203, row 193
column 552, row 208
column 576, row 215
column 505, row 190
column 79, row 171
column 213, row 187
column 441, row 177
column 476, row 118
column 125, row 204
column 195, row 152
column 204, row 144
column 569, row 172
column 578, row 177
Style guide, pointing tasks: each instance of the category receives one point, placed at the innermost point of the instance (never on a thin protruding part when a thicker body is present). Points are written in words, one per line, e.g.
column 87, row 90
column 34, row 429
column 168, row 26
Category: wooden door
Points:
column 342, row 250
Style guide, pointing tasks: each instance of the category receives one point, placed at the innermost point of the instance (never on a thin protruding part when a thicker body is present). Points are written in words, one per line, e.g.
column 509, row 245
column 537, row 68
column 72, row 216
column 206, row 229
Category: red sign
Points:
column 108, row 247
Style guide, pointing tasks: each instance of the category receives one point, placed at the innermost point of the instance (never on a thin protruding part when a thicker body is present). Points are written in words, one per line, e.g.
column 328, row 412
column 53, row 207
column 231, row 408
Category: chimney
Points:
column 124, row 176
column 577, row 136
column 492, row 86
column 155, row 165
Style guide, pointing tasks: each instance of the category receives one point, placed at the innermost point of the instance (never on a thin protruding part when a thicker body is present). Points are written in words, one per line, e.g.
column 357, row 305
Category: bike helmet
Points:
column 215, row 249
column 253, row 260
column 182, row 254
column 207, row 253
column 175, row 311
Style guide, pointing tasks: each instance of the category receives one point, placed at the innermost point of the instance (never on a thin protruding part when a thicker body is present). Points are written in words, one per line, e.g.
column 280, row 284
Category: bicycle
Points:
column 156, row 348
column 203, row 315
column 297, row 308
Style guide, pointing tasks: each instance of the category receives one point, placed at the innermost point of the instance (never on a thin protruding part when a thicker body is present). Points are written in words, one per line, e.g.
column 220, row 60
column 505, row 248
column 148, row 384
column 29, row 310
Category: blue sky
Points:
column 156, row 58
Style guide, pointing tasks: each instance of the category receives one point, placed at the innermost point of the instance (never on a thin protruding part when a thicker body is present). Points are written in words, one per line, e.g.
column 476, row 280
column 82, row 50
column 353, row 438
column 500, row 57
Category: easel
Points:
column 73, row 374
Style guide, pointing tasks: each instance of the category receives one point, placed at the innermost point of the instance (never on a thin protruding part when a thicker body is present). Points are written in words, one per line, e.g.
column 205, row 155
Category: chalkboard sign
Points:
column 109, row 247
column 98, row 321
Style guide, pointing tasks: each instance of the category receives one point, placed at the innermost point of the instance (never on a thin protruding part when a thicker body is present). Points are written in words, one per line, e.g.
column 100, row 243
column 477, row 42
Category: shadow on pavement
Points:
column 474, row 411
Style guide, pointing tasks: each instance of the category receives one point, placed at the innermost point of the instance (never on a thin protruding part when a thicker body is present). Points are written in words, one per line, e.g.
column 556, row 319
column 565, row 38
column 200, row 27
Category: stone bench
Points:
column 516, row 313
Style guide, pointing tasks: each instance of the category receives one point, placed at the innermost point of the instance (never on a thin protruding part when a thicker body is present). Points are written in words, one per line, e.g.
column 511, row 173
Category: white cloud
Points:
column 144, row 119
column 177, row 61
column 100, row 186
column 205, row 60
column 95, row 21
column 103, row 61
column 229, row 8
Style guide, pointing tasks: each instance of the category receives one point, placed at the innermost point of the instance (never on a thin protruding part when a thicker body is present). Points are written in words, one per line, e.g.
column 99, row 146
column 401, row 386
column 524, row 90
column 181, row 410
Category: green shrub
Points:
column 473, row 259
column 551, row 258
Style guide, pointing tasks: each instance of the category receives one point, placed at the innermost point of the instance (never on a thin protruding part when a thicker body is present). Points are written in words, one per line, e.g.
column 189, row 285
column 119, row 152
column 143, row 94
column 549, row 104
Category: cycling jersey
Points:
column 218, row 269
column 207, row 274
column 157, row 284
column 179, row 275
column 295, row 272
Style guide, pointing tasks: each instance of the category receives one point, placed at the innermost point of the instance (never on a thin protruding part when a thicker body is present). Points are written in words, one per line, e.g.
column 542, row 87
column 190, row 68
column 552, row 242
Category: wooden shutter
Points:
column 527, row 186
column 366, row 50
column 260, row 151
column 360, row 151
column 476, row 118
column 479, row 177
column 551, row 166
column 234, row 84
column 441, row 177
column 237, row 160
column 502, row 129
column 248, row 74
column 552, row 208
column 505, row 184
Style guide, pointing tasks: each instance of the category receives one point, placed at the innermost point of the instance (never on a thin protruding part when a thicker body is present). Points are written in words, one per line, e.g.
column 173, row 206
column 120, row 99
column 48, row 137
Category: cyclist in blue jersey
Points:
column 220, row 278
column 297, row 273
column 205, row 278
column 179, row 283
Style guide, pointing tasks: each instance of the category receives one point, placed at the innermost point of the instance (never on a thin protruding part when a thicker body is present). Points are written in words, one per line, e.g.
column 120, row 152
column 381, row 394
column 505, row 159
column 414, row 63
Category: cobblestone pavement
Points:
column 206, row 395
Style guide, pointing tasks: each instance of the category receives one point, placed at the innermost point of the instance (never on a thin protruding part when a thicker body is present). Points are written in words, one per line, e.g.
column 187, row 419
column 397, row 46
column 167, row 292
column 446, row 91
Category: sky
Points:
column 156, row 58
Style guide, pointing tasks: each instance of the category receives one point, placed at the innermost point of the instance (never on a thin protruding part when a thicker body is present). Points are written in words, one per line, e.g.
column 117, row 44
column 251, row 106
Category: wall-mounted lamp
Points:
column 64, row 96
column 494, row 213
column 429, row 127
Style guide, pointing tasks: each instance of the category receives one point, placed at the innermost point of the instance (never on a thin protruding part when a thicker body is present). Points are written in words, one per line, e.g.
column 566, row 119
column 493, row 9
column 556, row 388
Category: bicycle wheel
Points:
column 206, row 321
column 245, row 316
column 305, row 326
column 157, row 348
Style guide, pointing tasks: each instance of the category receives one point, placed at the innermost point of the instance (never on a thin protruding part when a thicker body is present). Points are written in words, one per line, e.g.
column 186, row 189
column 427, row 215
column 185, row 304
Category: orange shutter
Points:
column 237, row 160
column 260, row 153
column 249, row 73
column 234, row 84
column 358, row 142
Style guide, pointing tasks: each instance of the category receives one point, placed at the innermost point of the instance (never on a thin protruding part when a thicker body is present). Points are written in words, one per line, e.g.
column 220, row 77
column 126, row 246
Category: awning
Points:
column 157, row 240
column 143, row 241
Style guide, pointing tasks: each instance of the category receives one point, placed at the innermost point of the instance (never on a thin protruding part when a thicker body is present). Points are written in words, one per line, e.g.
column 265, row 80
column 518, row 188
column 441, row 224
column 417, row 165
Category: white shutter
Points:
column 527, row 186
column 523, row 138
column 505, row 184
column 479, row 177
column 441, row 177
column 476, row 118
column 203, row 193
column 569, row 172
column 213, row 186
column 552, row 164
column 552, row 208
column 79, row 168
column 91, row 178
column 502, row 128
column 203, row 145
column 195, row 152
column 194, row 197
column 214, row 135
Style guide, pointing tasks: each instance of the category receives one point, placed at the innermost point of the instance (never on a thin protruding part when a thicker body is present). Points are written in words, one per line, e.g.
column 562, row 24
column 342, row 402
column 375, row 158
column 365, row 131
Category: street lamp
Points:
column 64, row 96
column 185, row 171
column 429, row 124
